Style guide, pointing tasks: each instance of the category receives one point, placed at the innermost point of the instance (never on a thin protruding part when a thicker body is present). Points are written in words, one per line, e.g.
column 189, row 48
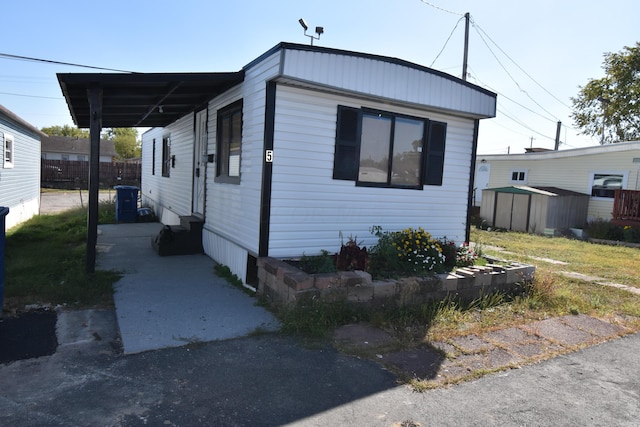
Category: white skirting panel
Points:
column 226, row 253
column 22, row 212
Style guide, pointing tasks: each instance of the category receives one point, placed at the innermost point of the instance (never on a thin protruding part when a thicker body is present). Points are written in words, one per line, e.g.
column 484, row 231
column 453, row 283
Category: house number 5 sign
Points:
column 268, row 156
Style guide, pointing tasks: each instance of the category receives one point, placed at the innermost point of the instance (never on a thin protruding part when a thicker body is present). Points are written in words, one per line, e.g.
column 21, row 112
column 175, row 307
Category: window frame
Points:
column 223, row 146
column 519, row 172
column 623, row 184
column 8, row 146
column 153, row 157
column 166, row 156
column 348, row 148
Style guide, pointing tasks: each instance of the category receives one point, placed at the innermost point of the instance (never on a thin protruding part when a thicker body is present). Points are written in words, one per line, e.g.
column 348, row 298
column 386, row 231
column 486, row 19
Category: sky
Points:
column 534, row 54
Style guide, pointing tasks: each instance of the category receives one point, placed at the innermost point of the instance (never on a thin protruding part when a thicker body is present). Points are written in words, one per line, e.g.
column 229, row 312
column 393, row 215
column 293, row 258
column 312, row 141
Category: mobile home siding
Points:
column 308, row 208
column 387, row 80
column 303, row 188
column 20, row 185
column 232, row 219
column 571, row 170
column 169, row 196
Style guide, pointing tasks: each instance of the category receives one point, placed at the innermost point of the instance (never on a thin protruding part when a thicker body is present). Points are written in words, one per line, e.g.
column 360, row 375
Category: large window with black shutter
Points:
column 346, row 149
column 382, row 149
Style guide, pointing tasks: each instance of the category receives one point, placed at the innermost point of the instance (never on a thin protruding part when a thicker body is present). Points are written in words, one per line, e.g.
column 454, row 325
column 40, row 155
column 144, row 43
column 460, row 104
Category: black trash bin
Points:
column 126, row 203
column 3, row 213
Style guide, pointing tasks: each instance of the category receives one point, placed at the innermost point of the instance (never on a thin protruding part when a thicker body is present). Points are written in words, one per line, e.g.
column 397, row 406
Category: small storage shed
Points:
column 533, row 209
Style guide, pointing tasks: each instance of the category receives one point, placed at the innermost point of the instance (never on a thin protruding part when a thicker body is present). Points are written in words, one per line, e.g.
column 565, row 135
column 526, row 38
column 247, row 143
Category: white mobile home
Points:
column 305, row 143
column 20, row 169
column 596, row 171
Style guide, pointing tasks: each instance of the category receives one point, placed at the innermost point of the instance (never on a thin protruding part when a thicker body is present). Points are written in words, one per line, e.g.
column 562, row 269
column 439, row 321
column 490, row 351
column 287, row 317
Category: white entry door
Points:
column 199, row 163
column 482, row 182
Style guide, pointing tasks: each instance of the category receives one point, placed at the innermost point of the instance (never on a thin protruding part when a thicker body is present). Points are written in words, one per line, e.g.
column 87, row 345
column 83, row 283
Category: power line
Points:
column 520, row 68
column 31, row 96
column 440, row 8
column 475, row 77
column 446, row 42
column 524, row 125
column 49, row 61
column 510, row 76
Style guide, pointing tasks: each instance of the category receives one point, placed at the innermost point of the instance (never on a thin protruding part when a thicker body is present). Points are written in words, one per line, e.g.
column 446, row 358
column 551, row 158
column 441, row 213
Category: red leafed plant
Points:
column 352, row 256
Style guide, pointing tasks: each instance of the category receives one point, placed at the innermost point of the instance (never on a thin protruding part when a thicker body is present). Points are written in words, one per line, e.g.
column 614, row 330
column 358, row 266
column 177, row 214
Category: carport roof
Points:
column 143, row 99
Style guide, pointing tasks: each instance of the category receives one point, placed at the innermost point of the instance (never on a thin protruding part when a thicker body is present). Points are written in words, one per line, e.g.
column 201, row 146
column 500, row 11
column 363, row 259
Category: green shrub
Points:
column 323, row 263
column 407, row 252
column 600, row 229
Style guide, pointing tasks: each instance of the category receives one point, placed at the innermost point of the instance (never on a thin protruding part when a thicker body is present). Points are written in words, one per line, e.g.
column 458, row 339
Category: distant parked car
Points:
column 606, row 185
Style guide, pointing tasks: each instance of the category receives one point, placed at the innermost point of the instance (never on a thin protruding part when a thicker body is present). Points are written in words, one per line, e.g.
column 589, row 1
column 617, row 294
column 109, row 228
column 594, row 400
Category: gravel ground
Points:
column 60, row 201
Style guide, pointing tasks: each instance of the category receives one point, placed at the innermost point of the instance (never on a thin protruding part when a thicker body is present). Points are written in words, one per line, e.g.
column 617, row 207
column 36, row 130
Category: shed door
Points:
column 520, row 212
column 199, row 162
column 504, row 204
column 512, row 211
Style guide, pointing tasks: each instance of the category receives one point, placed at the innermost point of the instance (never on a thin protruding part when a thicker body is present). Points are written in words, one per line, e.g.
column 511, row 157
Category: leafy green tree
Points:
column 66, row 130
column 612, row 101
column 125, row 141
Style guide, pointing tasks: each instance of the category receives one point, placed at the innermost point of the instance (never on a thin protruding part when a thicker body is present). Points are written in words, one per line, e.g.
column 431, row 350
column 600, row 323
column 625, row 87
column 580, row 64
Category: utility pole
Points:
column 558, row 136
column 466, row 46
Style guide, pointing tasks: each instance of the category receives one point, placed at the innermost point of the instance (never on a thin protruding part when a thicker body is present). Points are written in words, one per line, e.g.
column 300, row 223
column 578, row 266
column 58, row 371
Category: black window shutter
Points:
column 434, row 160
column 345, row 164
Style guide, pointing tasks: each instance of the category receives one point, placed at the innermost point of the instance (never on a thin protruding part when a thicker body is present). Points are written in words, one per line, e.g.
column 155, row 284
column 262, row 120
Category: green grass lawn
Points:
column 45, row 262
column 551, row 294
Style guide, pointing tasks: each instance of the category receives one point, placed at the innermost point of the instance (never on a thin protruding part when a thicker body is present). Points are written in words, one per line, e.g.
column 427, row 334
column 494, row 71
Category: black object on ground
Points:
column 28, row 335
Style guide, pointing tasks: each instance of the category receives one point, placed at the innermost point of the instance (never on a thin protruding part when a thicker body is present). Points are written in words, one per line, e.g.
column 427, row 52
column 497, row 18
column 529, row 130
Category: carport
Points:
column 99, row 100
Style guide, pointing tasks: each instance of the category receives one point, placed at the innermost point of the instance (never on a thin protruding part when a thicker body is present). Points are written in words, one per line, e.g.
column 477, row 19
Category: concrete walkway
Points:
column 172, row 301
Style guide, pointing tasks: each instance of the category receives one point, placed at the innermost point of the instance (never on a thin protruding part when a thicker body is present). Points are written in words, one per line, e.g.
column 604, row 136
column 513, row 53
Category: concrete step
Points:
column 178, row 240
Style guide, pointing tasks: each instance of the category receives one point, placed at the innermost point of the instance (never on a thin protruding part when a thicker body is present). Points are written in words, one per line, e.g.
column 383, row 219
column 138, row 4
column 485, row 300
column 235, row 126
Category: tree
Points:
column 125, row 141
column 612, row 102
column 66, row 130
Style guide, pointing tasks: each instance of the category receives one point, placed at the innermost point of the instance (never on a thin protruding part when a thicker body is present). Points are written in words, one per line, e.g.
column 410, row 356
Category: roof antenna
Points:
column 319, row 31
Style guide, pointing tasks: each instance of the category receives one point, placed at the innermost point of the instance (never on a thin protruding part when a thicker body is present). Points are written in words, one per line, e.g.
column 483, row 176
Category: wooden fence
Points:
column 72, row 174
column 626, row 207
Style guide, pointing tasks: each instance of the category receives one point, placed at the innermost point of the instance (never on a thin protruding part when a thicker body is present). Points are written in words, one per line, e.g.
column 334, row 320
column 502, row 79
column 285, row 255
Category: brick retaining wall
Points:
column 283, row 283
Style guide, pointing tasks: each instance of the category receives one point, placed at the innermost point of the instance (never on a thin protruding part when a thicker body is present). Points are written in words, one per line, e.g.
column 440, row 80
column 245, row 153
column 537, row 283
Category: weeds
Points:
column 323, row 263
column 45, row 263
column 315, row 319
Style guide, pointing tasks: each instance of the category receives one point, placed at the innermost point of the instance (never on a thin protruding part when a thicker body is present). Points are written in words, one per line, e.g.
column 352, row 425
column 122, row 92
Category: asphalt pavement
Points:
column 271, row 380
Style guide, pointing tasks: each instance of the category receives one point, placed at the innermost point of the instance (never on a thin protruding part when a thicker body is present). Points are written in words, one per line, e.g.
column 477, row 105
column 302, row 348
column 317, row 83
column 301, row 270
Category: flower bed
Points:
column 283, row 284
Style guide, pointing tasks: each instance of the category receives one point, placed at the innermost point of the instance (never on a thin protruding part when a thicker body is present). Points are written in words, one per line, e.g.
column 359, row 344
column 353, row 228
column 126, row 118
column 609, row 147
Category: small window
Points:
column 229, row 143
column 166, row 156
column 153, row 157
column 9, row 153
column 82, row 158
column 605, row 185
column 518, row 176
column 377, row 148
column 65, row 157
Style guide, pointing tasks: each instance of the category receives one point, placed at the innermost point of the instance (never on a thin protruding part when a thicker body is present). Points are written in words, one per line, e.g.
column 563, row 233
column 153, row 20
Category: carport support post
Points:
column 95, row 111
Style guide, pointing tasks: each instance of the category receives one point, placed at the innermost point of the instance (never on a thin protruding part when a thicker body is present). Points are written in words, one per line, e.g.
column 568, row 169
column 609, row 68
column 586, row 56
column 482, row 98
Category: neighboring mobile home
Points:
column 72, row 148
column 315, row 142
column 20, row 170
column 596, row 171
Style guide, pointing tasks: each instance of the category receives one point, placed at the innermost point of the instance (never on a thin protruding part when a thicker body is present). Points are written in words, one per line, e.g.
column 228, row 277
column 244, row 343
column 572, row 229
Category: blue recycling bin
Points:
column 3, row 213
column 126, row 203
